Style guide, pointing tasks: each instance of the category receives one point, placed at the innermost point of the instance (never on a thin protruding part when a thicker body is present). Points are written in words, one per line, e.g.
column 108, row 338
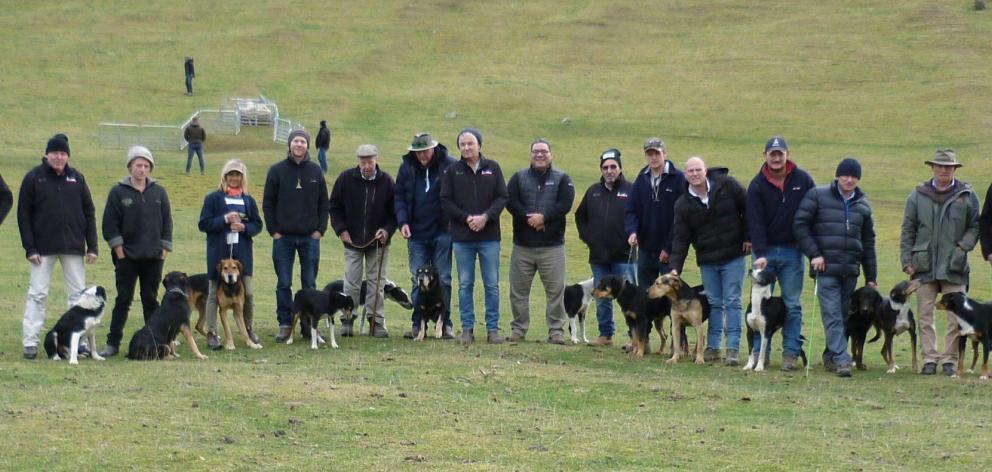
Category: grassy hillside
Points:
column 888, row 84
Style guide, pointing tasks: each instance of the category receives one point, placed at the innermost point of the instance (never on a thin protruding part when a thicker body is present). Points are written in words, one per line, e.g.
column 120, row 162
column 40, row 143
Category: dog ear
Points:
column 241, row 267
column 220, row 266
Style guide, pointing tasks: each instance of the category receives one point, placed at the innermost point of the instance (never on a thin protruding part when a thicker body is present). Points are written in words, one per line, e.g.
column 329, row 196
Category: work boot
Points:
column 413, row 333
column 929, row 368
column 948, row 369
column 843, row 370
column 731, row 359
column 493, row 337
column 213, row 341
column 711, row 355
column 30, row 352
column 788, row 363
column 284, row 334
column 380, row 331
column 604, row 341
column 517, row 337
column 468, row 337
column 110, row 351
column 557, row 339
column 446, row 333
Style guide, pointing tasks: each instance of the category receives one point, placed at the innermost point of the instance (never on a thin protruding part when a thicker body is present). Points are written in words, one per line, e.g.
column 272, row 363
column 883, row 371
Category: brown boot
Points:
column 602, row 341
column 516, row 337
column 468, row 337
column 493, row 337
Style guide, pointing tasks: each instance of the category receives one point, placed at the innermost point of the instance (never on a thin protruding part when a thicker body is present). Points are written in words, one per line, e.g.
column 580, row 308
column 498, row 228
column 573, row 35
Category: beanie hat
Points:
column 234, row 165
column 295, row 133
column 473, row 132
column 142, row 152
column 849, row 167
column 59, row 142
column 611, row 153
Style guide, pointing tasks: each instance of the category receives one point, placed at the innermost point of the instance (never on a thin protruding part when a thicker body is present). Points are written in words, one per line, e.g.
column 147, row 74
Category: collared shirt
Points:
column 706, row 198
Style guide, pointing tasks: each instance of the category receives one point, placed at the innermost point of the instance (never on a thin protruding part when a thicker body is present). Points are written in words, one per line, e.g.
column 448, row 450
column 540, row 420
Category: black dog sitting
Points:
column 156, row 340
column 430, row 302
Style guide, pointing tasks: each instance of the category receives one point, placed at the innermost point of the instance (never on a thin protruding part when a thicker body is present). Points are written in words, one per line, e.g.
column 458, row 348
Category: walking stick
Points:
column 378, row 284
column 812, row 326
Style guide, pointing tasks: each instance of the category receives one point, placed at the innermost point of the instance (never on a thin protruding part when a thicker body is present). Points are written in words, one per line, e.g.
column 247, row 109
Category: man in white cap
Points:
column 137, row 224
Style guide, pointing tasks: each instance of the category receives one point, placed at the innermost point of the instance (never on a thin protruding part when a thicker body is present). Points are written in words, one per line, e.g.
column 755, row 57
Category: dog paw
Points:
column 255, row 346
column 672, row 361
column 334, row 345
column 73, row 362
column 955, row 376
column 289, row 340
column 229, row 347
column 760, row 368
column 891, row 370
column 984, row 377
column 699, row 361
column 200, row 357
column 970, row 371
column 98, row 357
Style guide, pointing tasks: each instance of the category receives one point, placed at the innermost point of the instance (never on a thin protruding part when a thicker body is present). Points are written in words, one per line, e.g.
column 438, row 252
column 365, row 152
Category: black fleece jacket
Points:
column 55, row 213
column 295, row 198
column 139, row 221
column 360, row 206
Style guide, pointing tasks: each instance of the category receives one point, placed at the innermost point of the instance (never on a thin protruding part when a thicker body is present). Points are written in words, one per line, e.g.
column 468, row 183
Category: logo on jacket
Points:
column 70, row 179
column 622, row 195
column 486, row 172
column 126, row 202
column 797, row 188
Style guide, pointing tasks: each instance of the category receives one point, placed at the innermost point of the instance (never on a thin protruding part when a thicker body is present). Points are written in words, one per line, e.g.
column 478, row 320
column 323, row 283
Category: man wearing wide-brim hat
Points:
column 939, row 228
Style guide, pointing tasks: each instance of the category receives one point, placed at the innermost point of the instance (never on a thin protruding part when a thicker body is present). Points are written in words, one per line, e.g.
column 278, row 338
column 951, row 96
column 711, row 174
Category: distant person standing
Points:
column 323, row 143
column 6, row 200
column 57, row 221
column 190, row 73
column 195, row 136
column 137, row 224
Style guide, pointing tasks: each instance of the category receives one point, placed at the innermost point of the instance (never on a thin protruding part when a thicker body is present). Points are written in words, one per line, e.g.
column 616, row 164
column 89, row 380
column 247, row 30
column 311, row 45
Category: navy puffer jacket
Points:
column 842, row 231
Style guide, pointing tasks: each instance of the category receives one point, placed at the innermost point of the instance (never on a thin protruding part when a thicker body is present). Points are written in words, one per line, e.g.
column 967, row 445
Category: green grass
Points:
column 888, row 84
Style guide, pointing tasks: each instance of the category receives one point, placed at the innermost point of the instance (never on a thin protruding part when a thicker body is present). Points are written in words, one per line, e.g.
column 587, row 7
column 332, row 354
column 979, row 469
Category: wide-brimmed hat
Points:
column 944, row 157
column 422, row 142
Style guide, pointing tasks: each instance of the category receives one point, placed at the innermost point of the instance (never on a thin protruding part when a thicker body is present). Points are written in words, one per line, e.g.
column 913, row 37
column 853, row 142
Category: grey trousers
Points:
column 549, row 262
column 355, row 260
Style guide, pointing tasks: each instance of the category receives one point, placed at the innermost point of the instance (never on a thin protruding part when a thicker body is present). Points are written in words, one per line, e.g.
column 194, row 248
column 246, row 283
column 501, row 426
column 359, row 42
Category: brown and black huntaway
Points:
column 62, row 341
column 639, row 311
column 312, row 305
column 689, row 307
column 430, row 303
column 156, row 340
column 230, row 296
column 974, row 321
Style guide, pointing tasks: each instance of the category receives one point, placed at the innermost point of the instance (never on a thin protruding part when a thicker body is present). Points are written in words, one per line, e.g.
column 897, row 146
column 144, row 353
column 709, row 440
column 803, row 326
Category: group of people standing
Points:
column 448, row 207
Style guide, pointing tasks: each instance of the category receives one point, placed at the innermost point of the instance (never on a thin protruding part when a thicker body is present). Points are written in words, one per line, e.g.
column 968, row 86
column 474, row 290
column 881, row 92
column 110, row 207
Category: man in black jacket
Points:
column 295, row 207
column 711, row 216
column 539, row 199
column 323, row 142
column 6, row 200
column 362, row 215
column 599, row 219
column 473, row 194
column 190, row 72
column 834, row 228
column 57, row 221
column 137, row 224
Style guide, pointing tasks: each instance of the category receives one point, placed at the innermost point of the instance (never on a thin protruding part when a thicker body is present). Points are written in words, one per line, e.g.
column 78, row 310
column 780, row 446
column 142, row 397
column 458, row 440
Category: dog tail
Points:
column 51, row 343
column 877, row 334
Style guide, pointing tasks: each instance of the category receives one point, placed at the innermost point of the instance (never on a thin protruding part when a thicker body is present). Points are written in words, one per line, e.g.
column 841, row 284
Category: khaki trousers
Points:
column 926, row 297
column 549, row 262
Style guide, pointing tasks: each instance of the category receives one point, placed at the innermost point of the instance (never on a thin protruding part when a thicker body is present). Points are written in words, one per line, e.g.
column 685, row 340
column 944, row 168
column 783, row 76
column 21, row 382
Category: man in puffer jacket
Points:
column 834, row 228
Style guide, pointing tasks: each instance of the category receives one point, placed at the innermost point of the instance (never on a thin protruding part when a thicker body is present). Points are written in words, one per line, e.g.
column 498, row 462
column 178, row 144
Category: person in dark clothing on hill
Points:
column 137, row 224
column 295, row 207
column 323, row 142
column 362, row 215
column 422, row 222
column 190, row 73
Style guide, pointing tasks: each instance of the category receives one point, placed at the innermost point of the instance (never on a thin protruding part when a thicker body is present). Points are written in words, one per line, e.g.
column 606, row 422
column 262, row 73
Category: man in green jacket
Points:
column 939, row 228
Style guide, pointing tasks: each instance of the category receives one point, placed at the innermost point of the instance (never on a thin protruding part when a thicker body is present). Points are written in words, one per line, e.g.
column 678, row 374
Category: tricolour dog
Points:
column 156, row 340
column 974, row 321
column 430, row 302
column 312, row 305
column 765, row 315
column 390, row 291
column 62, row 341
column 894, row 317
column 230, row 296
column 639, row 311
column 577, row 299
column 689, row 307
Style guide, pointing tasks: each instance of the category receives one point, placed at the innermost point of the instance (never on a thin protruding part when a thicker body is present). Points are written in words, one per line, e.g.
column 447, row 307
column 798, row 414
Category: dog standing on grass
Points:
column 689, row 307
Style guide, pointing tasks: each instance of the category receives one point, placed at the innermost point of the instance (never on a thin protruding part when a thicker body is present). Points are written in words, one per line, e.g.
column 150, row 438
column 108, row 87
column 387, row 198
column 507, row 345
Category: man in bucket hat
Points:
column 939, row 228
column 421, row 221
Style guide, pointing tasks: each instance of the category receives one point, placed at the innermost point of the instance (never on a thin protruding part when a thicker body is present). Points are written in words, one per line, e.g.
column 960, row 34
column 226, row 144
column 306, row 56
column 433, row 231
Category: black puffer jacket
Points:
column 55, row 213
column 717, row 231
column 843, row 232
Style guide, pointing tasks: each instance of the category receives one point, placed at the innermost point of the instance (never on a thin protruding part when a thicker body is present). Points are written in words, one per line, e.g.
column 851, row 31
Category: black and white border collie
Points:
column 82, row 319
column 765, row 315
column 577, row 299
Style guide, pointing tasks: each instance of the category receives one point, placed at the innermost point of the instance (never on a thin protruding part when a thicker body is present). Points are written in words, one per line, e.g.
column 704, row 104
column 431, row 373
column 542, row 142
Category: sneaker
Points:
column 380, row 331
column 556, row 338
column 929, row 368
column 213, row 342
column 843, row 370
column 731, row 358
column 30, row 352
column 468, row 337
column 447, row 333
column 948, row 369
column 711, row 355
column 517, row 337
column 493, row 337
column 412, row 333
column 109, row 351
column 284, row 334
column 788, row 363
column 604, row 341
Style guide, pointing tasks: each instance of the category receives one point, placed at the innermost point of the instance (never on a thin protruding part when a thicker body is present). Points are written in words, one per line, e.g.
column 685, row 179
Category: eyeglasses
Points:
column 540, row 152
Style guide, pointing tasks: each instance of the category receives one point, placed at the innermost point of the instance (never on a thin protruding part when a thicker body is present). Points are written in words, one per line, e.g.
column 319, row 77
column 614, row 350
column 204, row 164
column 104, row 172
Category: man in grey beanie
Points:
column 295, row 206
column 137, row 224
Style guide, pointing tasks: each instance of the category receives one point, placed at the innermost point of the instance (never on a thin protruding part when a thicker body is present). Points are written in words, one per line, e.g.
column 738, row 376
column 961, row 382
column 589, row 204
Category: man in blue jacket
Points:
column 651, row 211
column 421, row 221
column 772, row 199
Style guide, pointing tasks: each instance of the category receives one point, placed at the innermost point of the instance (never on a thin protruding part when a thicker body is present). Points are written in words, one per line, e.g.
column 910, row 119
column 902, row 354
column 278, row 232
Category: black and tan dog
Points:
column 430, row 302
column 312, row 305
column 689, row 307
column 639, row 311
column 156, row 340
column 861, row 316
column 894, row 317
column 974, row 321
column 230, row 296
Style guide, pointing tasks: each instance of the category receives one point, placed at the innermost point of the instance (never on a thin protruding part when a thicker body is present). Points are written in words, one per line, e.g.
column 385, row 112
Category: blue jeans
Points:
column 835, row 298
column 437, row 252
column 465, row 255
column 723, row 284
column 788, row 264
column 194, row 147
column 649, row 268
column 604, row 307
column 322, row 158
column 284, row 251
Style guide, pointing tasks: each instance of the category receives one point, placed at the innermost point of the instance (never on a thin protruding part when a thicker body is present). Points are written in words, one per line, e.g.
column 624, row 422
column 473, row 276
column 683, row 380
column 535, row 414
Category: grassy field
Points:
column 887, row 83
